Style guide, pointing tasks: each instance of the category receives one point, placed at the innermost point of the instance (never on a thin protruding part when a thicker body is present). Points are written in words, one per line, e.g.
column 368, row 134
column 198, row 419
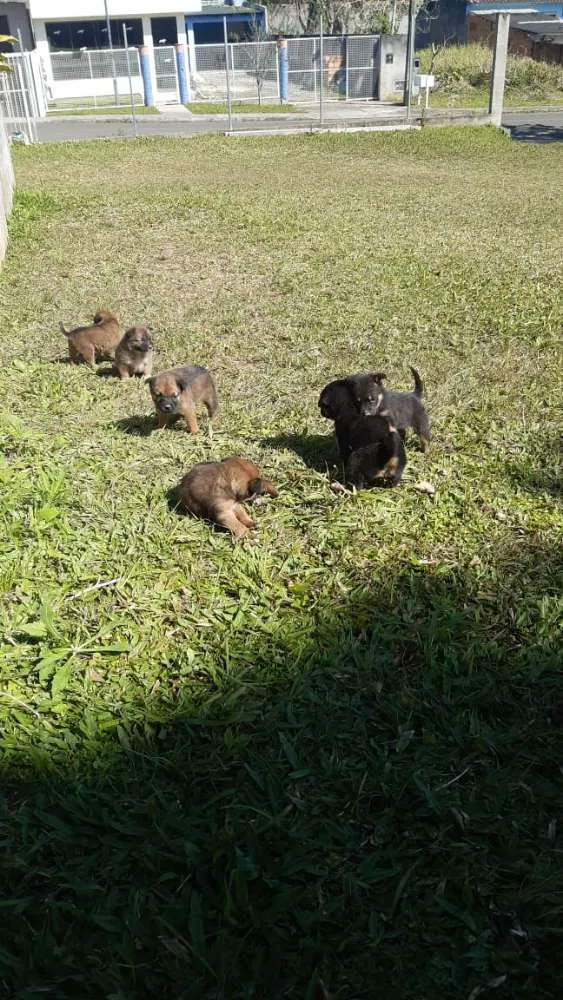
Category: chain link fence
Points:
column 94, row 78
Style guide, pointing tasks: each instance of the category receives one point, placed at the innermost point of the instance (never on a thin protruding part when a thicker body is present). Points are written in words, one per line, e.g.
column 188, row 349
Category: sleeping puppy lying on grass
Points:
column 214, row 491
column 370, row 447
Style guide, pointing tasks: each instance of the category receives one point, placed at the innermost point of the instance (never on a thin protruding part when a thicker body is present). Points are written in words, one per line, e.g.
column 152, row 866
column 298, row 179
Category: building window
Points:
column 164, row 31
column 73, row 35
column 5, row 30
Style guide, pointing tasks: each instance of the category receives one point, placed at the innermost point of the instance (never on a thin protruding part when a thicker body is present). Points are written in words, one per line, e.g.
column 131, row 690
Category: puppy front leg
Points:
column 161, row 421
column 227, row 518
column 243, row 516
column 191, row 420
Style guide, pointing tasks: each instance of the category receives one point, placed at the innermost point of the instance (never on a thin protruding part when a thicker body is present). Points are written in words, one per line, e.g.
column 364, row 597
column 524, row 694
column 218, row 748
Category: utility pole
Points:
column 110, row 43
column 407, row 93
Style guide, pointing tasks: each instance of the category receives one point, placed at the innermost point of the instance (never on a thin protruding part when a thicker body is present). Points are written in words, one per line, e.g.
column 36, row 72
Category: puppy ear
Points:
column 326, row 400
column 268, row 488
column 379, row 377
column 182, row 382
column 150, row 381
column 257, row 487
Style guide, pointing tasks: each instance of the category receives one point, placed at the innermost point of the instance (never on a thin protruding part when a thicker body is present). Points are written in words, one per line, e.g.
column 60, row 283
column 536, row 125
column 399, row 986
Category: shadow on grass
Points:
column 63, row 360
column 372, row 798
column 138, row 426
column 537, row 132
column 547, row 475
column 318, row 451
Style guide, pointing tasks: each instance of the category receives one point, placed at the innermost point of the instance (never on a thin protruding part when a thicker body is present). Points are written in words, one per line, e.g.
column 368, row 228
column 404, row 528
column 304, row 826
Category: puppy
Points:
column 405, row 409
column 176, row 392
column 90, row 343
column 370, row 447
column 213, row 490
column 134, row 353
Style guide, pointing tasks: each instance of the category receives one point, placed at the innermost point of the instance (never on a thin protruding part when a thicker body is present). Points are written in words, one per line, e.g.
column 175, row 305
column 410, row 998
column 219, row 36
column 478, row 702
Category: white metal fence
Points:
column 349, row 69
column 21, row 96
column 6, row 185
column 94, row 78
column 98, row 79
column 253, row 72
column 166, row 76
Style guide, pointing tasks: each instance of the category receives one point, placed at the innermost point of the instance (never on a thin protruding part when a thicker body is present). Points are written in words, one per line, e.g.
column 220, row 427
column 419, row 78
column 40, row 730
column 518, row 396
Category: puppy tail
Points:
column 418, row 386
column 67, row 333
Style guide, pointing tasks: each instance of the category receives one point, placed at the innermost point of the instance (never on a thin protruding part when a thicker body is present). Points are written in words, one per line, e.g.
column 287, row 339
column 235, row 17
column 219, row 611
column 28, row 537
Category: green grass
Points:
column 480, row 99
column 240, row 108
column 125, row 109
column 228, row 768
column 463, row 76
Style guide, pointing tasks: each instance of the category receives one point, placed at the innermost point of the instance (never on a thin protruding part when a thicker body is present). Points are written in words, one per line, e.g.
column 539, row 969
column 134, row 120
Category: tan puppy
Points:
column 87, row 343
column 134, row 353
column 213, row 490
column 176, row 392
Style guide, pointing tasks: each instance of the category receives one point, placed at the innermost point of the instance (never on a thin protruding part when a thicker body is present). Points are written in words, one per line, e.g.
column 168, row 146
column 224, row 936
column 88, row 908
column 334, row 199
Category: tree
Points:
column 349, row 16
column 4, row 64
column 258, row 53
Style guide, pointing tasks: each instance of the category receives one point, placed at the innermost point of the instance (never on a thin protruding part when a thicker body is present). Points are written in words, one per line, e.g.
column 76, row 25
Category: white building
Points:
column 80, row 31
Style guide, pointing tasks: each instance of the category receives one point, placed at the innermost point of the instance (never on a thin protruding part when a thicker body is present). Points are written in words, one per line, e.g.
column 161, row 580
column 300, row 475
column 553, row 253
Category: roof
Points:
column 542, row 20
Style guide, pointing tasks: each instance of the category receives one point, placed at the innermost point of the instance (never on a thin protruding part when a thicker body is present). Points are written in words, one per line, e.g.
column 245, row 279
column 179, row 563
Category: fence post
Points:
column 144, row 59
column 126, row 43
column 225, row 38
column 25, row 89
column 283, row 70
column 89, row 60
column 346, row 68
column 183, row 85
column 321, row 60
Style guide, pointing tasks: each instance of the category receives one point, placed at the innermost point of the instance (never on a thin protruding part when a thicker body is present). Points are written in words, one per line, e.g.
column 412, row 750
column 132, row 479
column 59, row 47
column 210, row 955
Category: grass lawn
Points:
column 229, row 768
column 102, row 111
column 479, row 98
column 240, row 108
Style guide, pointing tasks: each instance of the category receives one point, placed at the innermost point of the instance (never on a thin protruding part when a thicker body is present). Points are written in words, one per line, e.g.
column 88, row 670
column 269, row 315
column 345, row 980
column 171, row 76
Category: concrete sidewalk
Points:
column 539, row 125
column 335, row 116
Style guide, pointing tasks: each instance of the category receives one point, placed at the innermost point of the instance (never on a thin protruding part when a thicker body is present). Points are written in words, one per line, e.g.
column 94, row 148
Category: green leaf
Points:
column 196, row 923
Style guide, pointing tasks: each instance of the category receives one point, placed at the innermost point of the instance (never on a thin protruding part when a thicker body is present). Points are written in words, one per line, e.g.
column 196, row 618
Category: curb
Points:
column 323, row 130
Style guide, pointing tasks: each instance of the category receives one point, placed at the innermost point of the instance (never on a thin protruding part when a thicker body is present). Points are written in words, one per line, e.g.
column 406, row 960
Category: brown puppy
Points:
column 213, row 490
column 176, row 392
column 100, row 339
column 134, row 353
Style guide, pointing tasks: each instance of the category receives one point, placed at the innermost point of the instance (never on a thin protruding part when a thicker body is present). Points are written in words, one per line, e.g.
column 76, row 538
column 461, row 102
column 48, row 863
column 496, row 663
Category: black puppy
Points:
column 370, row 447
column 404, row 409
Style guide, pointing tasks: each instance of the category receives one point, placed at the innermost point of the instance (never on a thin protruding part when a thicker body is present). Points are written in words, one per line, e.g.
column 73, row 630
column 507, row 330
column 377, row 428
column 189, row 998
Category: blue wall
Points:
column 208, row 28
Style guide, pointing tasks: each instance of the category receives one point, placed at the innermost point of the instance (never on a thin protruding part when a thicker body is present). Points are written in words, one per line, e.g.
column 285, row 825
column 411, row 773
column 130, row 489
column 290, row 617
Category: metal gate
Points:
column 165, row 74
column 18, row 98
column 361, row 72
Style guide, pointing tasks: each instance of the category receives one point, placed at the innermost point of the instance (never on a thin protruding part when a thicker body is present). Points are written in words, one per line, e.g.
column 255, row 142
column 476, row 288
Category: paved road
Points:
column 538, row 126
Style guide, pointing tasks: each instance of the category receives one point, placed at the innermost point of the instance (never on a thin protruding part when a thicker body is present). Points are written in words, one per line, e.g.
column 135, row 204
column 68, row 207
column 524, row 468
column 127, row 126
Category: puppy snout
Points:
column 167, row 405
column 142, row 346
column 369, row 409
